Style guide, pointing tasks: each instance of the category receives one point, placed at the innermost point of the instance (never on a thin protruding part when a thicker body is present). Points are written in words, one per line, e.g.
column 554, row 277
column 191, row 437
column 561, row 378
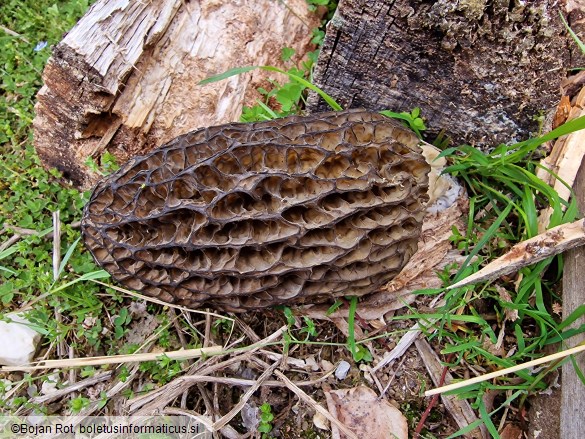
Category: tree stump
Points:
column 478, row 69
column 124, row 79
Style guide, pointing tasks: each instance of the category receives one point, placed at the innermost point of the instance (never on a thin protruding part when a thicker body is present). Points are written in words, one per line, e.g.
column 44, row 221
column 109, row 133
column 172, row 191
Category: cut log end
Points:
column 480, row 72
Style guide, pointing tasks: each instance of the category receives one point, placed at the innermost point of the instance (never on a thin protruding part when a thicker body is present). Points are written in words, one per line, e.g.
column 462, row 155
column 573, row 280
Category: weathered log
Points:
column 124, row 79
column 480, row 70
column 560, row 168
column 566, row 169
column 573, row 390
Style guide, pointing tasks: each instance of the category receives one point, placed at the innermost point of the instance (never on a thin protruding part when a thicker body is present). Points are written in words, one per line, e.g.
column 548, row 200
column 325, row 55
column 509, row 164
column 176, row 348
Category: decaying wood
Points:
column 552, row 242
column 477, row 69
column 460, row 409
column 124, row 79
column 564, row 159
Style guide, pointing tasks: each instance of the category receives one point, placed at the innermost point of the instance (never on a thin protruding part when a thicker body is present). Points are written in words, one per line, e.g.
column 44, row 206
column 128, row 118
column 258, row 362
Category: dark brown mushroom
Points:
column 245, row 216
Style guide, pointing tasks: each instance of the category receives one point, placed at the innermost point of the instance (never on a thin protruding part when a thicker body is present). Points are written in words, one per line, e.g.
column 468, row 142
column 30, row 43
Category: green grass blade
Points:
column 94, row 275
column 572, row 317
column 565, row 335
column 66, row 257
column 227, row 74
column 519, row 338
column 525, row 147
column 531, row 215
column 460, row 347
column 484, row 239
column 578, row 370
column 8, row 270
column 8, row 251
column 330, row 101
column 239, row 70
column 573, row 34
column 351, row 328
column 487, row 420
column 447, row 152
column 467, row 429
column 268, row 109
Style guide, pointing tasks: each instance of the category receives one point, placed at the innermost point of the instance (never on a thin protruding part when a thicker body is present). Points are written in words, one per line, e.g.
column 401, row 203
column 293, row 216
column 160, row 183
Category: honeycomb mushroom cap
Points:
column 245, row 216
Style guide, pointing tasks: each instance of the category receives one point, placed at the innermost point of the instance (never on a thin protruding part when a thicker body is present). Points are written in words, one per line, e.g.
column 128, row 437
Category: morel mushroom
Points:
column 245, row 216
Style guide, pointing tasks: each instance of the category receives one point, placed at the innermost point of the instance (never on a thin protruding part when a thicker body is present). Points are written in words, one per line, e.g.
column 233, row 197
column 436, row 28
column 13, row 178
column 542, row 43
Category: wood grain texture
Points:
column 477, row 69
column 573, row 390
column 552, row 242
column 124, row 79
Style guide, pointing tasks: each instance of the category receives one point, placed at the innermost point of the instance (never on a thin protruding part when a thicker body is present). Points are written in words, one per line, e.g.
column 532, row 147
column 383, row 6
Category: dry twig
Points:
column 116, row 359
column 218, row 425
column 550, row 243
column 498, row 373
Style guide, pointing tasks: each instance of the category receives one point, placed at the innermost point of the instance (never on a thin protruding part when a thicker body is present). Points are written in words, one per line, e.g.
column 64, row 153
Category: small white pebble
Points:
column 50, row 385
column 342, row 370
column 18, row 341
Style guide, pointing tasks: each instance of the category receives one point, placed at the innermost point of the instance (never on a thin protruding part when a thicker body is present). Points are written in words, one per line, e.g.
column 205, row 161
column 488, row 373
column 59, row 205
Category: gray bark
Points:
column 478, row 69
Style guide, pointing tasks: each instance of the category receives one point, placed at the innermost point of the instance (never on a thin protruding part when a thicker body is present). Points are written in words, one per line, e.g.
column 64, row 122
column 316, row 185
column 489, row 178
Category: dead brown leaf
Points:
column 369, row 416
column 563, row 110
column 511, row 431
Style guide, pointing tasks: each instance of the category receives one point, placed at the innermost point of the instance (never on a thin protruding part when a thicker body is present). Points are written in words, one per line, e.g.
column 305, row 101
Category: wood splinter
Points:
column 552, row 242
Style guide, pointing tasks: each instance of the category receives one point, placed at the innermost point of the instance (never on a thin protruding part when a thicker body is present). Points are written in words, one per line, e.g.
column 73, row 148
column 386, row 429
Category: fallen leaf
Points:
column 562, row 113
column 511, row 431
column 320, row 421
column 368, row 416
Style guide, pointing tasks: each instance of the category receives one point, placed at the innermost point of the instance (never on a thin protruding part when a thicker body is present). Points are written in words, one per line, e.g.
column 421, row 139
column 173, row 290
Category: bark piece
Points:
column 477, row 69
column 564, row 159
column 124, row 79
